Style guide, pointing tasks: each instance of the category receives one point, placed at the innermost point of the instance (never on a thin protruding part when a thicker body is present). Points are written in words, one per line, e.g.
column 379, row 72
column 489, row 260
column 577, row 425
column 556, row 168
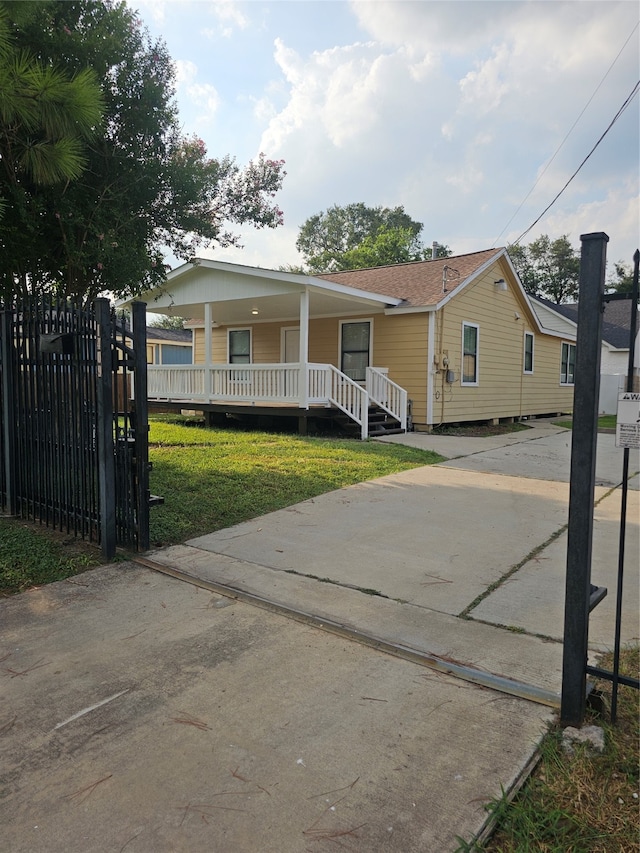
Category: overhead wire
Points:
column 567, row 135
column 557, row 196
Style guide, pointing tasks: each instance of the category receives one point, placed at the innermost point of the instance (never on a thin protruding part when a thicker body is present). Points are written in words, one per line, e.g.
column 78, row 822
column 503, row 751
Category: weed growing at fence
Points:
column 213, row 478
column 585, row 802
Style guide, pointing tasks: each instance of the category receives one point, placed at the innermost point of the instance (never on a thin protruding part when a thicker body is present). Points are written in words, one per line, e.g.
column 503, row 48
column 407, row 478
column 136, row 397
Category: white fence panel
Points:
column 610, row 384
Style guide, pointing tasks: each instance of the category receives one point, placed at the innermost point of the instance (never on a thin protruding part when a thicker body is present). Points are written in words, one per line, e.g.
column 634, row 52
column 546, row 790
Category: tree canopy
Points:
column 621, row 280
column 146, row 189
column 357, row 236
column 548, row 268
column 47, row 114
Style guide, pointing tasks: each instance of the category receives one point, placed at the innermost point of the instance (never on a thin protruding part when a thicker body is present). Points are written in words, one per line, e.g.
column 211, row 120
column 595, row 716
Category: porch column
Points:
column 208, row 339
column 304, row 349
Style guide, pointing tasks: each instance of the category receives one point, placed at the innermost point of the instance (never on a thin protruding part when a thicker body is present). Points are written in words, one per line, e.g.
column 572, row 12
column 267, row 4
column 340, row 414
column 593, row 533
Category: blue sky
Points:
column 451, row 109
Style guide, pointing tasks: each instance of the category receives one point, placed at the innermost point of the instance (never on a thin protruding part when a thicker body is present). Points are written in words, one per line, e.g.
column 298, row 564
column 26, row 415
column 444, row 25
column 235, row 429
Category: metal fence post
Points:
column 141, row 425
column 583, row 471
column 104, row 430
column 8, row 407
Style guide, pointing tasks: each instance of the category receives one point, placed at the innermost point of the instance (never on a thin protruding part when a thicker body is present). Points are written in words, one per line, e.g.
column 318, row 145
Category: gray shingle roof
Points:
column 178, row 336
column 616, row 322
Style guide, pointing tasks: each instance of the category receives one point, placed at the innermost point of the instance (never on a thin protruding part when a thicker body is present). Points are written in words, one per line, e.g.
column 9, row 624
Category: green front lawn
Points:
column 604, row 422
column 213, row 478
column 210, row 479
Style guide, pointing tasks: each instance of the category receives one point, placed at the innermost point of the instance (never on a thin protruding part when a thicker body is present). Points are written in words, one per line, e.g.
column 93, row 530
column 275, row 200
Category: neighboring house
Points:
column 453, row 339
column 614, row 355
column 169, row 346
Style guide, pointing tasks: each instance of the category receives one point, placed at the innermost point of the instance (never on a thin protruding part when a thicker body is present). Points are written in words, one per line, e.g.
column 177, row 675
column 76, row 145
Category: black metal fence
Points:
column 581, row 596
column 73, row 449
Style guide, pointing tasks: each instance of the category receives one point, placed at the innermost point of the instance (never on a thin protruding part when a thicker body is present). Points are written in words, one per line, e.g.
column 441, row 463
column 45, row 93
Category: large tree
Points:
column 357, row 236
column 548, row 268
column 147, row 190
column 46, row 114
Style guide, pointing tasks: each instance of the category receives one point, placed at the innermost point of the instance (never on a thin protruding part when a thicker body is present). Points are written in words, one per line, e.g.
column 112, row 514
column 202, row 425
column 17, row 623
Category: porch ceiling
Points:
column 236, row 293
column 271, row 308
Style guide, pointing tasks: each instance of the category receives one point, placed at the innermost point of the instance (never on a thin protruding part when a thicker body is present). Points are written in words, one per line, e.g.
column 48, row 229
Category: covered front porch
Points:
column 282, row 386
column 252, row 334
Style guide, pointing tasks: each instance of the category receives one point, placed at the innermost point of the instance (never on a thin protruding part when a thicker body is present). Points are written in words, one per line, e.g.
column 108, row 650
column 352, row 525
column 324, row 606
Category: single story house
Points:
column 614, row 354
column 169, row 346
column 450, row 340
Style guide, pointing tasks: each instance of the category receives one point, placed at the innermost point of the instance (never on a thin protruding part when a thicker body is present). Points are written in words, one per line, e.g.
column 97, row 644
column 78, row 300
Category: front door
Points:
column 291, row 346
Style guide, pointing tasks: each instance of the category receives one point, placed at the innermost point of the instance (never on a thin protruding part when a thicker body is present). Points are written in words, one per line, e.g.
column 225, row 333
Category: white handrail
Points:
column 350, row 398
column 388, row 395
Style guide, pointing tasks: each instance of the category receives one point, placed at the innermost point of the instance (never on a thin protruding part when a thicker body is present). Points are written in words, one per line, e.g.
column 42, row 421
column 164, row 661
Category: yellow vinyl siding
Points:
column 400, row 343
column 503, row 389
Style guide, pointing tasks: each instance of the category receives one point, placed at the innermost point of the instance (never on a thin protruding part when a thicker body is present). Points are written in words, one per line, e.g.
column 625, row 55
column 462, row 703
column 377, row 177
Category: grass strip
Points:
column 604, row 422
column 586, row 802
column 31, row 555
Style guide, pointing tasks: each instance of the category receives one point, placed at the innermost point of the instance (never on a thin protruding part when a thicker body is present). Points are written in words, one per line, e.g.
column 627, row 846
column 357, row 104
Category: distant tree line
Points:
column 551, row 269
column 357, row 236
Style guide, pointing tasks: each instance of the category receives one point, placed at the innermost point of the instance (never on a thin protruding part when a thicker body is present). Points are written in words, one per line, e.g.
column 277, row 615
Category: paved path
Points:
column 142, row 713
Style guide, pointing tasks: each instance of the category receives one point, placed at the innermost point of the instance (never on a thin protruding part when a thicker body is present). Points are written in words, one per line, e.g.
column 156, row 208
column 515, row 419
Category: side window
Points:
column 239, row 346
column 528, row 352
column 354, row 349
column 567, row 364
column 470, row 340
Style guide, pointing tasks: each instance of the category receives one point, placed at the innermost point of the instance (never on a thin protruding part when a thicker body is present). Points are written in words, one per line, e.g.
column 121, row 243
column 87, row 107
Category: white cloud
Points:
column 203, row 95
column 451, row 109
column 150, row 9
column 616, row 214
column 186, row 71
column 229, row 16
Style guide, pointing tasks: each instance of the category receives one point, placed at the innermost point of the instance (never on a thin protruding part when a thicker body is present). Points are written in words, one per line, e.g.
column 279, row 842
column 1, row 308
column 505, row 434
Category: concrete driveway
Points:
column 143, row 713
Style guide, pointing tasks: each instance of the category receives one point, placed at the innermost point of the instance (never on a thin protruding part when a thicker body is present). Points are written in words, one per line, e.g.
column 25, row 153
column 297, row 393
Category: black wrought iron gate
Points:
column 73, row 445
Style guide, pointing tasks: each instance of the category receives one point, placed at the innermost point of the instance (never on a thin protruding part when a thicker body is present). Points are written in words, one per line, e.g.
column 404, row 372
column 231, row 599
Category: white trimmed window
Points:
column 567, row 363
column 470, row 342
column 239, row 346
column 528, row 352
column 355, row 349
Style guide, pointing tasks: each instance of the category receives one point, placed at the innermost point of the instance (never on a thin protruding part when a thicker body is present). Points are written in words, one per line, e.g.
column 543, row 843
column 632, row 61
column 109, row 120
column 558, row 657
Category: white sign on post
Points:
column 628, row 420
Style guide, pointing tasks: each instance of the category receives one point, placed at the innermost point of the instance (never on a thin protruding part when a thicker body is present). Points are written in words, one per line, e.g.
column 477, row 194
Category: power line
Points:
column 568, row 134
column 555, row 199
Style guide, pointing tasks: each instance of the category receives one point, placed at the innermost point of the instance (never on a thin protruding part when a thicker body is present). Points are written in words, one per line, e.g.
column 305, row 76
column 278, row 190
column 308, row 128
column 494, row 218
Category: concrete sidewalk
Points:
column 142, row 713
column 441, row 559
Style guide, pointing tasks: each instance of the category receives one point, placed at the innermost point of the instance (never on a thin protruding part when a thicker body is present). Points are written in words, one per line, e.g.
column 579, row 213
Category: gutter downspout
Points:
column 431, row 351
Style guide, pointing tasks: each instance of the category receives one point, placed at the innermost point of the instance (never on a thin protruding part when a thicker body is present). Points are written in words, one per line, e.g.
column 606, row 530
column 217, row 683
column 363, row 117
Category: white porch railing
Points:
column 387, row 394
column 279, row 384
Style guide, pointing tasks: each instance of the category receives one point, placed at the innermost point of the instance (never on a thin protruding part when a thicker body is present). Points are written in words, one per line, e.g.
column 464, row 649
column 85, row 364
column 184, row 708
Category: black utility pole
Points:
column 583, row 473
